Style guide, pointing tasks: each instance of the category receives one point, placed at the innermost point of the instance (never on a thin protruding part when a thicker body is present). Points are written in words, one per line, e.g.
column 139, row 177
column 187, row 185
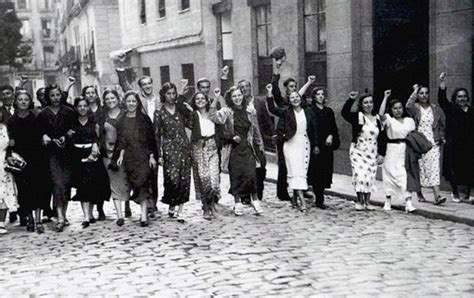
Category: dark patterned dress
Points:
column 176, row 152
column 89, row 178
column 242, row 173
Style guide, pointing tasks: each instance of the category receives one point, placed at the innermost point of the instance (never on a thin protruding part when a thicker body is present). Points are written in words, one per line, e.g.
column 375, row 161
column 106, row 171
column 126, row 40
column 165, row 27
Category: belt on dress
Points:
column 396, row 141
column 83, row 146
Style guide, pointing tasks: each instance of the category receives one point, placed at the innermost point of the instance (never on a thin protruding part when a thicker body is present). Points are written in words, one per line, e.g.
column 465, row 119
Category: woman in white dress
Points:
column 394, row 172
column 8, row 191
column 299, row 135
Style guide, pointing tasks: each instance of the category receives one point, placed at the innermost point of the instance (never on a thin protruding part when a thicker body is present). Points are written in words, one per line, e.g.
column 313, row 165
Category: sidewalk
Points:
column 342, row 187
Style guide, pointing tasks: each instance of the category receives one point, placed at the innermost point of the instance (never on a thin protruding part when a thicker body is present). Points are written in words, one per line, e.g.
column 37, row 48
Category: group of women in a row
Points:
column 113, row 151
column 410, row 139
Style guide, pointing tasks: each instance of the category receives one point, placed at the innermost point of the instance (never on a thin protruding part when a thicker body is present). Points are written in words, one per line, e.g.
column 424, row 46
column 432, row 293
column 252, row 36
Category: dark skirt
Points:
column 458, row 164
column 59, row 164
column 139, row 174
column 30, row 183
column 321, row 169
column 242, row 172
column 176, row 173
column 89, row 178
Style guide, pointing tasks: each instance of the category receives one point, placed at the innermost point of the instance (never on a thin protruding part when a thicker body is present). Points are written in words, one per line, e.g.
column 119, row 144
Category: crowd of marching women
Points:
column 110, row 147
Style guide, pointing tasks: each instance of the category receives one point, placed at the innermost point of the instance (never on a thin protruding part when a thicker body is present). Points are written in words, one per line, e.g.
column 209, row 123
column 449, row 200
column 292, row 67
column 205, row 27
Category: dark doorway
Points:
column 401, row 41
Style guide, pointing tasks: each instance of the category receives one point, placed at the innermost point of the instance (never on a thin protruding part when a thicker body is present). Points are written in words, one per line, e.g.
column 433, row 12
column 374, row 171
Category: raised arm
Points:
column 346, row 113
column 442, row 97
column 272, row 108
column 383, row 106
column 123, row 81
column 304, row 88
column 410, row 105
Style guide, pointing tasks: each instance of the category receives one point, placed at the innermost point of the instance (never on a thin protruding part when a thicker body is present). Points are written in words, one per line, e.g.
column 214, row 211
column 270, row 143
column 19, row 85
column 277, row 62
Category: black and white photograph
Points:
column 236, row 148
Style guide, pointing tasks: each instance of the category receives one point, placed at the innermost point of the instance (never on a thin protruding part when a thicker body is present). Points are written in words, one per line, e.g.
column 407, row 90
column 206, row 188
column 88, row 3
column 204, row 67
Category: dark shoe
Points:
column 13, row 217
column 128, row 212
column 23, row 221
column 85, row 224
column 144, row 223
column 440, row 201
column 66, row 223
column 30, row 227
column 120, row 222
column 284, row 198
column 151, row 214
column 245, row 200
column 92, row 220
column 39, row 228
column 422, row 200
column 101, row 217
column 59, row 227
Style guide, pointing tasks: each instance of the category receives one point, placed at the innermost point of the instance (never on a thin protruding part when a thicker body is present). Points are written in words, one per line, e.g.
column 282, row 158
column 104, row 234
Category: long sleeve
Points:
column 275, row 110
column 336, row 141
column 123, row 81
column 158, row 132
column 410, row 106
column 276, row 92
column 121, row 143
column 257, row 135
column 219, row 116
column 346, row 113
column 443, row 101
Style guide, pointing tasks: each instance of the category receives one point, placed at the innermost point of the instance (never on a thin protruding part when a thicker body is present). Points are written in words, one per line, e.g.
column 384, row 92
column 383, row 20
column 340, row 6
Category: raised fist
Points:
column 387, row 93
column 312, row 79
column 442, row 77
column 217, row 92
column 269, row 87
column 353, row 94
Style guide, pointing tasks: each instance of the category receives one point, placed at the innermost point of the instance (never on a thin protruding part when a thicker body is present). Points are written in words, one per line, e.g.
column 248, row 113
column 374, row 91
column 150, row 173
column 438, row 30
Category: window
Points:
column 146, row 71
column 49, row 57
column 22, row 4
column 161, row 8
column 188, row 73
column 46, row 28
column 315, row 39
column 142, row 9
column 226, row 54
column 184, row 4
column 164, row 74
column 264, row 45
column 25, row 30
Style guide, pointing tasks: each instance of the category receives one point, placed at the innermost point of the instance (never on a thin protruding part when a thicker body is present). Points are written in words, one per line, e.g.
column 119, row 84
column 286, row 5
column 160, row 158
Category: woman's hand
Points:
column 311, row 79
column 269, row 88
column 353, row 94
column 152, row 162
column 119, row 161
column 46, row 140
column 160, row 161
column 387, row 93
column 217, row 92
column 329, row 141
column 380, row 159
column 70, row 133
column 236, row 139
column 316, row 150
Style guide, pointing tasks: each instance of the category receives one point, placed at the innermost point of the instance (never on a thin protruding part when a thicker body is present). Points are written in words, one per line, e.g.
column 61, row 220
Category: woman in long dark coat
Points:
column 25, row 137
column 89, row 176
column 458, row 156
column 321, row 164
column 54, row 122
column 172, row 141
column 137, row 150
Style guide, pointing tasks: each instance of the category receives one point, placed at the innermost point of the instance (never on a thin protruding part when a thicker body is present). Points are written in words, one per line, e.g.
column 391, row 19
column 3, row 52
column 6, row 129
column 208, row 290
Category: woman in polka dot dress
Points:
column 299, row 136
column 364, row 150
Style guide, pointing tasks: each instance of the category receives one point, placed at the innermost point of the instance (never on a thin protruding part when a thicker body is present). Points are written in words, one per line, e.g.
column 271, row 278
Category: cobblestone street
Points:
column 284, row 252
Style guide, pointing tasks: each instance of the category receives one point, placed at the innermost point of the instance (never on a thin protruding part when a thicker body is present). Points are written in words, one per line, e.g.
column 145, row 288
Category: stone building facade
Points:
column 88, row 31
column 362, row 45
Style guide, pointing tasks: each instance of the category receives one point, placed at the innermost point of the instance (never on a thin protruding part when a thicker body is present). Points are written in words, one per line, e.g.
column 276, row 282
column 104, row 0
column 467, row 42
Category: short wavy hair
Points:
column 193, row 101
column 166, row 86
column 228, row 97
